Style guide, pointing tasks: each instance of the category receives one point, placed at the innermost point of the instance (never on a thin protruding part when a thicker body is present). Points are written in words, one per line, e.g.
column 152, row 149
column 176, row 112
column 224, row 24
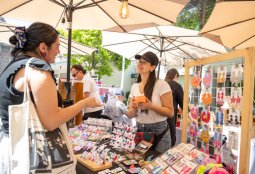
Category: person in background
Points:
column 115, row 109
column 172, row 76
column 40, row 41
column 89, row 90
column 151, row 115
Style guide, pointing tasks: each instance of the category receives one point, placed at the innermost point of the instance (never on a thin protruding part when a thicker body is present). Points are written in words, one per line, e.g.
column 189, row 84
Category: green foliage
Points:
column 194, row 12
column 102, row 59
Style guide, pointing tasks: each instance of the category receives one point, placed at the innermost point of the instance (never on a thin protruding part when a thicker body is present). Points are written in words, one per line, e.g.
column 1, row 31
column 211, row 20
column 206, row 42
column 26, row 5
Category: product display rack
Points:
column 248, row 57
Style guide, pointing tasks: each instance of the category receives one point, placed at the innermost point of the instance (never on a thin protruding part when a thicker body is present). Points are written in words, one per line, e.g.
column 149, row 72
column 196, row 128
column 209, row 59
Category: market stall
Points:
column 221, row 103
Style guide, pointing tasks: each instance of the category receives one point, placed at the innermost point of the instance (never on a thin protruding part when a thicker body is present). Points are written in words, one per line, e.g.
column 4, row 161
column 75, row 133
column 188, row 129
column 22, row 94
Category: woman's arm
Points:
column 167, row 105
column 45, row 96
column 132, row 108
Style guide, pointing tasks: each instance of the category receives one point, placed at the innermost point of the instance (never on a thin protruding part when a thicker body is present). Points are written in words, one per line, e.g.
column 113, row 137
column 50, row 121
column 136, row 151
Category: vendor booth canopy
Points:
column 6, row 31
column 233, row 22
column 93, row 14
column 173, row 45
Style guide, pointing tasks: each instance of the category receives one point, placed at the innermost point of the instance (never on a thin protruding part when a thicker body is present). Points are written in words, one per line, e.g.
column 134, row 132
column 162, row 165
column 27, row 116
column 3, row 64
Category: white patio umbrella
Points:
column 173, row 45
column 233, row 22
column 93, row 14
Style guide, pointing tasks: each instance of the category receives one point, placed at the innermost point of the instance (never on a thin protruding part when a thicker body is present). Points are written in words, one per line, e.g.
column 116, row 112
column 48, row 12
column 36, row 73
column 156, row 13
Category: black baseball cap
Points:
column 149, row 57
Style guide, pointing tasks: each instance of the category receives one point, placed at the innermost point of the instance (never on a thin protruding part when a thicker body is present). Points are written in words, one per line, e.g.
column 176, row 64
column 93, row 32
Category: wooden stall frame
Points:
column 247, row 102
column 76, row 95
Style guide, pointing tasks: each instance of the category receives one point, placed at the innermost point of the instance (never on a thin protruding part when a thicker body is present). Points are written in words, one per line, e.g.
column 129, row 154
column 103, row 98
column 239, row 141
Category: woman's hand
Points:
column 145, row 106
column 133, row 104
column 91, row 102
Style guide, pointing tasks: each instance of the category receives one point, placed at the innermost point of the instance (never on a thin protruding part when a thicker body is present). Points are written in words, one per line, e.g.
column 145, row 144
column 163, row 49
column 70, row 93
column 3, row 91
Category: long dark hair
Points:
column 37, row 33
column 149, row 86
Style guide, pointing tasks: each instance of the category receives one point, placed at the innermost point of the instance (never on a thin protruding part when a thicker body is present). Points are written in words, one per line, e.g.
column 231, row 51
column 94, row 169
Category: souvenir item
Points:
column 193, row 129
column 187, row 149
column 217, row 156
column 219, row 117
column 207, row 79
column 206, row 98
column 193, row 154
column 194, row 112
column 175, row 157
column 236, row 74
column 235, row 97
column 195, row 81
column 144, row 171
column 206, row 115
column 184, row 166
column 217, row 138
column 221, row 74
column 143, row 147
column 233, row 140
column 205, row 137
column 157, row 166
column 167, row 154
column 205, row 148
column 234, row 117
column 169, row 170
column 220, row 96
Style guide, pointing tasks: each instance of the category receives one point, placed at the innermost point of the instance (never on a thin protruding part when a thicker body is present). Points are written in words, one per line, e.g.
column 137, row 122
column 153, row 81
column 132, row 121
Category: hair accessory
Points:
column 193, row 129
column 219, row 117
column 20, row 36
column 217, row 138
column 207, row 79
column 194, row 112
column 205, row 116
column 236, row 74
column 207, row 98
column 195, row 81
column 205, row 135
column 221, row 74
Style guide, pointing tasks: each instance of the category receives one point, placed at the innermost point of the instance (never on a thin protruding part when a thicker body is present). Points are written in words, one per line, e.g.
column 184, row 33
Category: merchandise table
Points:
column 81, row 169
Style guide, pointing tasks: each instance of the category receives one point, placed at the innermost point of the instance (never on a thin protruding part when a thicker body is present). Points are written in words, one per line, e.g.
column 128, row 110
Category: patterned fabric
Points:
column 20, row 36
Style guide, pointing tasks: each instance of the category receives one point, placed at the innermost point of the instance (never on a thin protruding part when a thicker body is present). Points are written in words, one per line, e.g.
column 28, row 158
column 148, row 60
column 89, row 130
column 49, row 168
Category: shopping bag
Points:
column 33, row 149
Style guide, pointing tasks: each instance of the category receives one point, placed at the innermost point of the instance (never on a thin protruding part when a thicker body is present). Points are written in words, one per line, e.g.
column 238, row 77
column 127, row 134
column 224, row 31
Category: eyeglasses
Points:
column 73, row 75
column 142, row 62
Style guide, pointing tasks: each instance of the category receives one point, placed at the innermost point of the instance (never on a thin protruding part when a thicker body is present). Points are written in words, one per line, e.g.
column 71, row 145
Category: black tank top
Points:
column 11, row 96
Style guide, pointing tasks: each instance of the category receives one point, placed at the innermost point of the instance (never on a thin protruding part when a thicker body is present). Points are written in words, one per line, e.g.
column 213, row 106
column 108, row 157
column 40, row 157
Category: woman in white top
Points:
column 152, row 115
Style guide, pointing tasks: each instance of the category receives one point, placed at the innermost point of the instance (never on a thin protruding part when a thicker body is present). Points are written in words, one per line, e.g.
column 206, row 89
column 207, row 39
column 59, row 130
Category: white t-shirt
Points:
column 89, row 85
column 161, row 87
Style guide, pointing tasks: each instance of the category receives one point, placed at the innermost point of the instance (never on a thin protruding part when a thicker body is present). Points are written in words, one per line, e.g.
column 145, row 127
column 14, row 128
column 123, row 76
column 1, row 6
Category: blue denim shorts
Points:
column 165, row 143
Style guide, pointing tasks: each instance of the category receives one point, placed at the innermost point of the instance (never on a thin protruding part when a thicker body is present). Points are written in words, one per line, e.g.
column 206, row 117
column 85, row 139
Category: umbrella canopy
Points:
column 173, row 45
column 233, row 22
column 94, row 14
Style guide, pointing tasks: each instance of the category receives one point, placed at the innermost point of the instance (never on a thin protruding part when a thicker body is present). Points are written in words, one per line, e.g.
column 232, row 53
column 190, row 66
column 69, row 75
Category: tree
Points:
column 195, row 14
column 102, row 59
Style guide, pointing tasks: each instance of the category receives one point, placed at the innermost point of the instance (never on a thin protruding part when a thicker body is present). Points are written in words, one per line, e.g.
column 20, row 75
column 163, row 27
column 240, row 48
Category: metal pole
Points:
column 123, row 72
column 69, row 16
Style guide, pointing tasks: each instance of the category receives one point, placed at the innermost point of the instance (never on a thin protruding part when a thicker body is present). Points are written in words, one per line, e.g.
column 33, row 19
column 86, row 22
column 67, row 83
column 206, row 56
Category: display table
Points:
column 81, row 169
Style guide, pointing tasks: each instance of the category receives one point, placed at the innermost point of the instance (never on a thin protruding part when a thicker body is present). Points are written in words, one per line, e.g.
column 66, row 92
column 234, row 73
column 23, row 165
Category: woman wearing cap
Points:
column 151, row 116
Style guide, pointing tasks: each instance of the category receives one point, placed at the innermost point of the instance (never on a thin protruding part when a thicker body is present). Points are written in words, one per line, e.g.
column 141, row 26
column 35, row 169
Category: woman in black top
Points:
column 41, row 41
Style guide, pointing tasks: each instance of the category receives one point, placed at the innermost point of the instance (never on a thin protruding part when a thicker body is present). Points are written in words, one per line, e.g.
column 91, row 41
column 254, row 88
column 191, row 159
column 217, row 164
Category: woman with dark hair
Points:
column 40, row 41
column 172, row 76
column 151, row 116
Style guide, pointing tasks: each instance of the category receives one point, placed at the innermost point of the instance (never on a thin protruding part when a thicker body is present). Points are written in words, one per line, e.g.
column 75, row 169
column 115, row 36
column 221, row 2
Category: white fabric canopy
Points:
column 173, row 45
column 233, row 22
column 95, row 14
